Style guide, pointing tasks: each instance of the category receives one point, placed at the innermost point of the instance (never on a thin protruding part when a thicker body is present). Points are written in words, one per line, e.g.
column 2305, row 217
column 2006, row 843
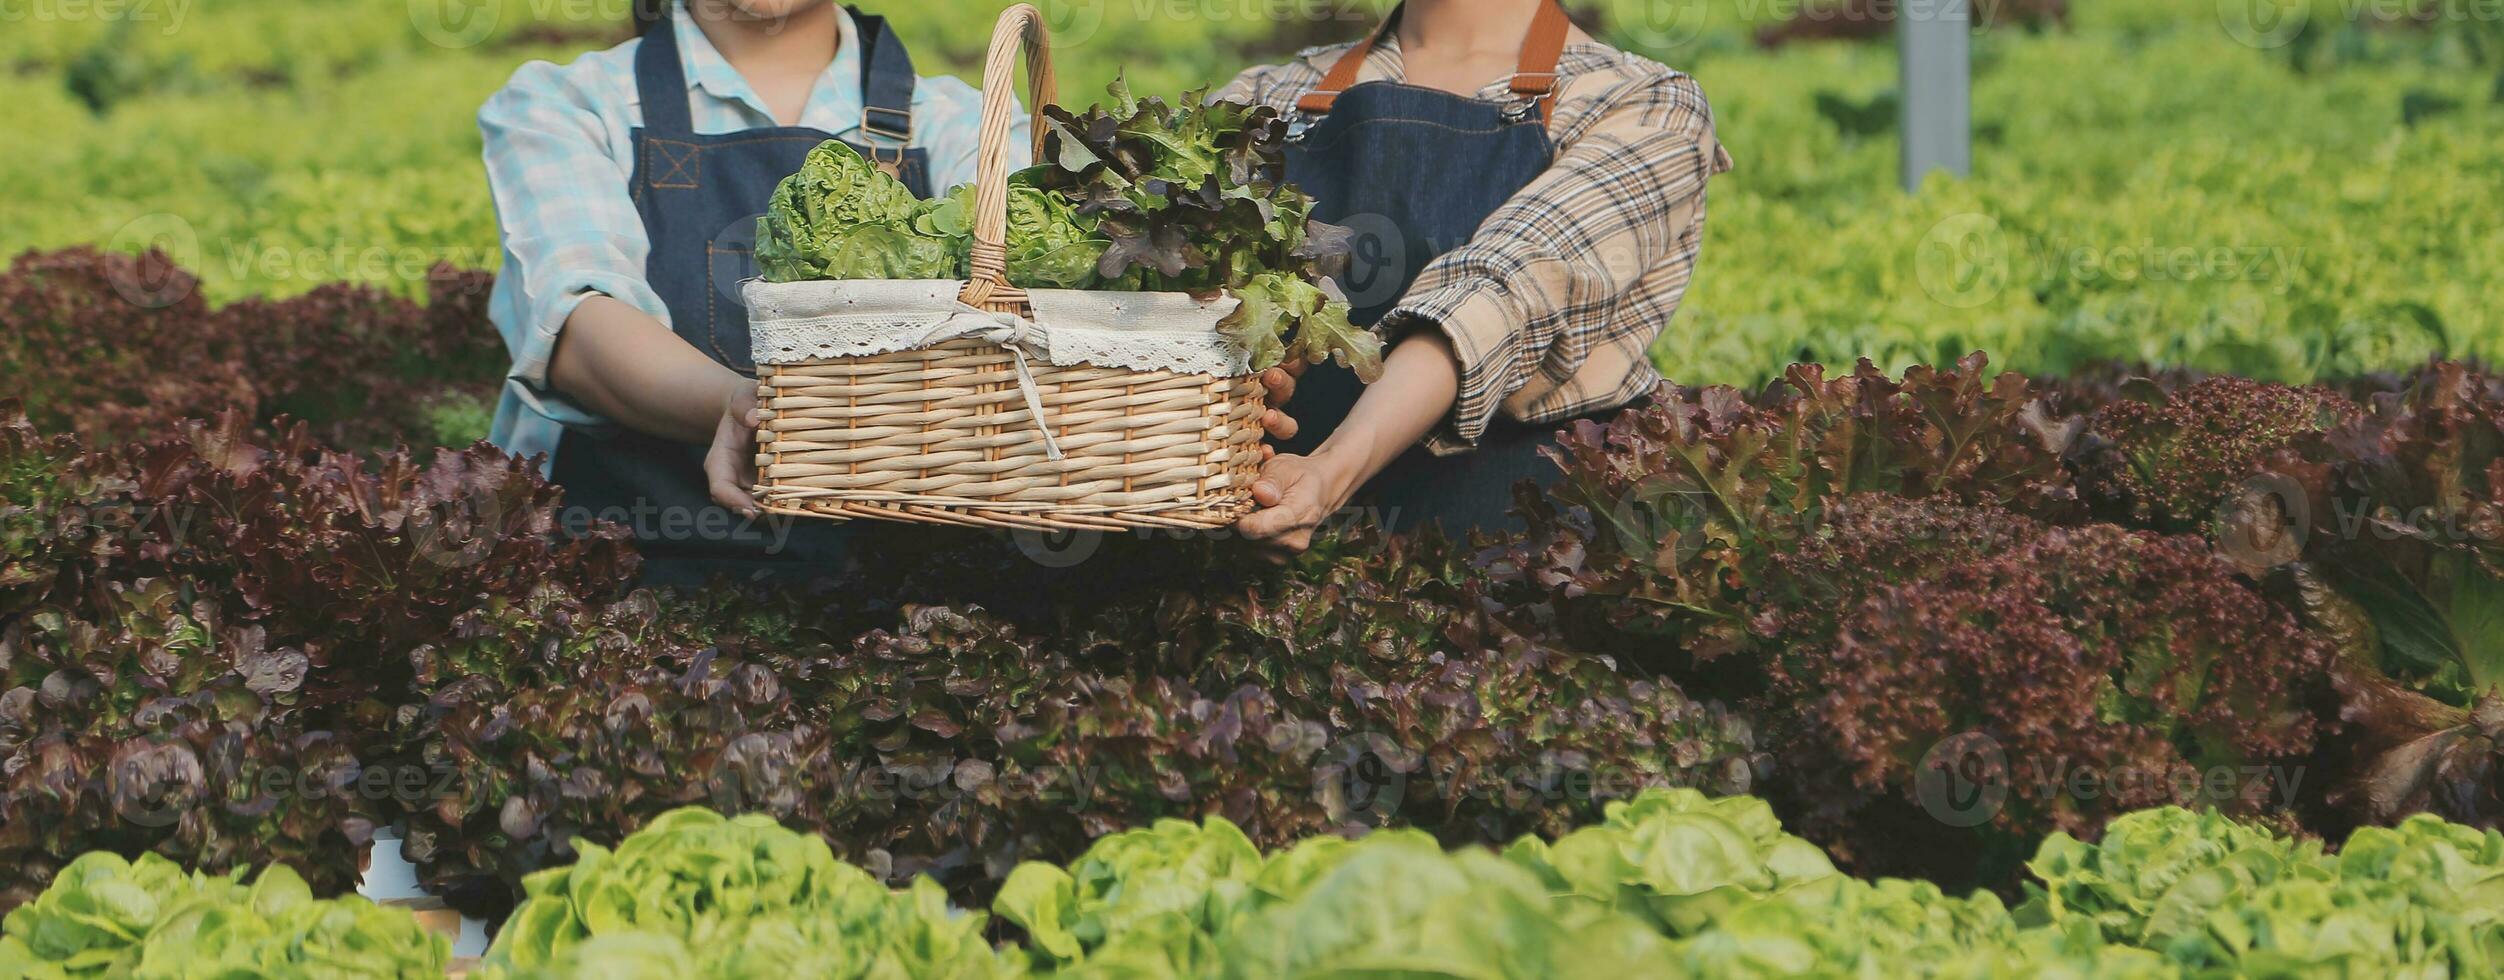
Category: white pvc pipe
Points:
column 1934, row 39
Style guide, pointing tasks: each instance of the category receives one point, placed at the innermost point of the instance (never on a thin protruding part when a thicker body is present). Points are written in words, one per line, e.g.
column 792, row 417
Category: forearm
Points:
column 1419, row 382
column 623, row 364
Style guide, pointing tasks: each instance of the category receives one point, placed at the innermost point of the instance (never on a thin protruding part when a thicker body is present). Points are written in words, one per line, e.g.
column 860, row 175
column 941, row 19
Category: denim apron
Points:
column 1414, row 171
column 700, row 197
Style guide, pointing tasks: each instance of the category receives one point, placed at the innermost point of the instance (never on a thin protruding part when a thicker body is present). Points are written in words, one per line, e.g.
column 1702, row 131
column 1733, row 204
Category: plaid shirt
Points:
column 559, row 150
column 1552, row 305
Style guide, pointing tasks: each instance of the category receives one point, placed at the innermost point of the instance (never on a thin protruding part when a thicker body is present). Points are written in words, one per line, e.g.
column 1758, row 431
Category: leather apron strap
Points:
column 1534, row 76
column 887, row 83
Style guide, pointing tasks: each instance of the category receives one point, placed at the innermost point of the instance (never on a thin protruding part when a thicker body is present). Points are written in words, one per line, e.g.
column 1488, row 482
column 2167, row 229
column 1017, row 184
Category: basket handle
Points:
column 1020, row 27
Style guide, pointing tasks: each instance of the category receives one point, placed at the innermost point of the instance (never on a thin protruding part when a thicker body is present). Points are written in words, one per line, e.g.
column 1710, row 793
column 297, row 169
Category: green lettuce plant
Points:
column 2156, row 874
column 1396, row 905
column 108, row 917
column 1845, row 927
column 743, row 897
column 1677, row 858
column 840, row 217
column 1176, row 879
column 2220, row 898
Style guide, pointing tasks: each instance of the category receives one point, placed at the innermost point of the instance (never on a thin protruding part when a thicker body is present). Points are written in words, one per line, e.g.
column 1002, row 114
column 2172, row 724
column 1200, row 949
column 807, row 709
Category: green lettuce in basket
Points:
column 842, row 218
column 1137, row 195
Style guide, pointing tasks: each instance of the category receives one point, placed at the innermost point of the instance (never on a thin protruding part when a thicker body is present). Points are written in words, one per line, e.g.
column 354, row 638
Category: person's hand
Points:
column 1279, row 386
column 1296, row 494
column 730, row 468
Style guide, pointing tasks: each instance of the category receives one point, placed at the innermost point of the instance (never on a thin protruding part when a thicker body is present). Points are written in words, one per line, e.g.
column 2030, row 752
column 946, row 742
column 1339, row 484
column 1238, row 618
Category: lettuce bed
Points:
column 1671, row 882
column 230, row 645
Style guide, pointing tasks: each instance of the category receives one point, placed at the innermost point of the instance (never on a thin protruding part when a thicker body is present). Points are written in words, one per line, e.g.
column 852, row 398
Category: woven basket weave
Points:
column 943, row 435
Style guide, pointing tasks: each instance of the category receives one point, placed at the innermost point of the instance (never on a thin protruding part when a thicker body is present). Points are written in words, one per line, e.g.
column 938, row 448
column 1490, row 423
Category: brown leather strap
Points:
column 1534, row 78
column 1343, row 73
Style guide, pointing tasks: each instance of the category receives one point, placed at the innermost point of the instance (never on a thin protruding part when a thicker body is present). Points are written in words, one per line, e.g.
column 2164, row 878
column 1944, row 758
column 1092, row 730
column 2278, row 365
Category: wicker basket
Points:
column 950, row 434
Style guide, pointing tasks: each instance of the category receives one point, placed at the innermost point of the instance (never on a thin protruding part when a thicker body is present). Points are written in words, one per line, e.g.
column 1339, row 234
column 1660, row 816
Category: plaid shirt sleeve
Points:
column 1551, row 306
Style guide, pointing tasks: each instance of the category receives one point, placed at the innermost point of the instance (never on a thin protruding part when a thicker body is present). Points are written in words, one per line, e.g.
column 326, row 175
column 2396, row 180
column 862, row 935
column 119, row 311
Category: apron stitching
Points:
column 742, row 139
column 679, row 166
column 1354, row 128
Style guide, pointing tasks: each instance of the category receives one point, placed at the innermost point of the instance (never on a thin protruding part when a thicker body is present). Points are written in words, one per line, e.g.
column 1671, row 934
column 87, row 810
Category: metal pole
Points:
column 1934, row 39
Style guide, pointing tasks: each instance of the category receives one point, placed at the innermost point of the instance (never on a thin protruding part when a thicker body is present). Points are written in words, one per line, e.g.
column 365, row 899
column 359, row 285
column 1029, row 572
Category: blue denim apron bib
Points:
column 1414, row 171
column 700, row 197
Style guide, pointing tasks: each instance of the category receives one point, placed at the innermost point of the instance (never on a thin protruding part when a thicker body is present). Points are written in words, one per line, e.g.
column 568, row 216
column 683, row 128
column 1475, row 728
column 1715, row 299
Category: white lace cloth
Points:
column 792, row 322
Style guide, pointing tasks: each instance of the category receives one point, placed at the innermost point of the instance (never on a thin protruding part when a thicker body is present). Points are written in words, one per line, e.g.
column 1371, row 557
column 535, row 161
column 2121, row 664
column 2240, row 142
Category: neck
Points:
column 803, row 40
column 1459, row 27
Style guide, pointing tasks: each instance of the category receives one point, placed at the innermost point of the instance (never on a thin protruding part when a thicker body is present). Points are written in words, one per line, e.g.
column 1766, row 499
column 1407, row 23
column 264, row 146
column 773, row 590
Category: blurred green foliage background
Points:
column 2275, row 187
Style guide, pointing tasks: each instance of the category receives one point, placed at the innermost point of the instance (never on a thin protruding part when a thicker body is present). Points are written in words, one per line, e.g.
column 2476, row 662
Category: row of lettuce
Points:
column 2137, row 214
column 1669, row 883
column 115, row 347
column 232, row 645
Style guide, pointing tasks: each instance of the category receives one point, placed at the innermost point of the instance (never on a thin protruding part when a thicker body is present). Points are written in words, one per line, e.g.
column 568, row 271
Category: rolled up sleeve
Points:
column 569, row 226
column 1551, row 305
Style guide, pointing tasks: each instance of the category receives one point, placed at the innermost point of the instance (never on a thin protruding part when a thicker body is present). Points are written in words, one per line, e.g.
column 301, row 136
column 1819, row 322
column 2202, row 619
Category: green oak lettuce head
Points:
column 2431, row 852
column 1397, row 905
column 2156, row 874
column 1844, row 927
column 1175, row 879
column 745, row 898
column 281, row 930
column 840, row 217
column 2344, row 927
column 108, row 917
column 1677, row 857
column 93, row 918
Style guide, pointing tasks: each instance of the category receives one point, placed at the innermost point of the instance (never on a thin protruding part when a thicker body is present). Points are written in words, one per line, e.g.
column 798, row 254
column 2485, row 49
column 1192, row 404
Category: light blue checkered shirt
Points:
column 559, row 152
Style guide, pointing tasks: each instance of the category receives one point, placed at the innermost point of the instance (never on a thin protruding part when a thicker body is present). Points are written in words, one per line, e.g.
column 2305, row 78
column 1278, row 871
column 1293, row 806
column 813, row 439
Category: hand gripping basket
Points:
column 977, row 403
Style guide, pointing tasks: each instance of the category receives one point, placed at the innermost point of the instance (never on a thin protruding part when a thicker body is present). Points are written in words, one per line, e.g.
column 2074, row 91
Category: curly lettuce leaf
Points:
column 742, row 897
column 109, row 917
column 1282, row 316
column 840, row 217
